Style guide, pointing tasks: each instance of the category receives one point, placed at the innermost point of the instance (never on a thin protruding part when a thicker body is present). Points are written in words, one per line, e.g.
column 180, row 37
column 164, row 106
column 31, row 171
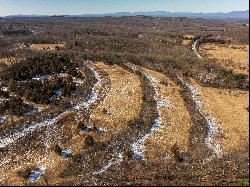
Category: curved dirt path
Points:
column 114, row 116
column 229, row 108
column 177, row 123
column 172, row 124
column 211, row 132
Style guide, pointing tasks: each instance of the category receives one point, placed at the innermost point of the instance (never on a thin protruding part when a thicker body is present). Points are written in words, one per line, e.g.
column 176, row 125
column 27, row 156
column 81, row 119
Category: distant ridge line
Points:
column 218, row 15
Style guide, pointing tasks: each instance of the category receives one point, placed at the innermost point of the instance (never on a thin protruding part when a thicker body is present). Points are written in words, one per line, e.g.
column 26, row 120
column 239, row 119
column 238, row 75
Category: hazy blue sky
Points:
column 51, row 7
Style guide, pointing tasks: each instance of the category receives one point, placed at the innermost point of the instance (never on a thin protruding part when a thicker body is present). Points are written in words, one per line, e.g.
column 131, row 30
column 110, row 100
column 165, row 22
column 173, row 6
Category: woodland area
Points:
column 147, row 41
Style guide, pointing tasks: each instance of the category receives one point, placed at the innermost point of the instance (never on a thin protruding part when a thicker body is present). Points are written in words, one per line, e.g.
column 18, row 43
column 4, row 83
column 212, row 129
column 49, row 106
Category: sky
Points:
column 77, row 7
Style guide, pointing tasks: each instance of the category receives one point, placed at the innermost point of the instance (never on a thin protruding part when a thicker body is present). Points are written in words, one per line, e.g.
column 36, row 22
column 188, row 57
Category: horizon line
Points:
column 118, row 12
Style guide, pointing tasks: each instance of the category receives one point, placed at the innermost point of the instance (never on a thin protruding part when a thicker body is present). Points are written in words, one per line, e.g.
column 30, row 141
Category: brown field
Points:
column 176, row 120
column 123, row 101
column 46, row 46
column 231, row 57
column 186, row 42
column 232, row 117
column 188, row 36
column 187, row 39
column 9, row 61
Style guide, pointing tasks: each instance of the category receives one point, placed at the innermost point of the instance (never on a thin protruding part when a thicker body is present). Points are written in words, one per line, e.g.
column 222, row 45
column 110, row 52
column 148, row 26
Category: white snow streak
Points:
column 116, row 160
column 94, row 95
column 194, row 48
column 213, row 144
column 138, row 147
column 5, row 141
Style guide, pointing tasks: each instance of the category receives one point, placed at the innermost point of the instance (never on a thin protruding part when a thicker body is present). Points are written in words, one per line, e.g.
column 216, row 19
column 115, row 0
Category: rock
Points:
column 109, row 113
column 36, row 174
column 65, row 154
column 87, row 129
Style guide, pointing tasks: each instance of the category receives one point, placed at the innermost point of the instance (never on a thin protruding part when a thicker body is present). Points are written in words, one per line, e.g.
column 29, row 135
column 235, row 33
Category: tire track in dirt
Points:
column 205, row 127
column 229, row 107
column 158, row 128
column 123, row 125
column 115, row 152
column 173, row 136
column 171, row 127
column 121, row 165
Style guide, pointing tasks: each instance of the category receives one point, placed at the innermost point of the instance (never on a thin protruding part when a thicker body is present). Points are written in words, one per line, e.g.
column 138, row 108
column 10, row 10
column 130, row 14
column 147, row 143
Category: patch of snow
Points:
column 86, row 104
column 5, row 89
column 33, row 111
column 4, row 99
column 118, row 158
column 194, row 48
column 66, row 154
column 85, row 130
column 93, row 96
column 165, row 157
column 138, row 147
column 2, row 119
column 57, row 94
column 210, row 141
column 63, row 75
column 165, row 103
column 36, row 175
column 140, row 36
column 78, row 81
column 42, row 77
column 213, row 144
column 101, row 130
column 5, row 141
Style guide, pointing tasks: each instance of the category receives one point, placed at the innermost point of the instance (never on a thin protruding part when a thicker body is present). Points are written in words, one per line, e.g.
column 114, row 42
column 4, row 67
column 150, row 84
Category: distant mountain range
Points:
column 218, row 15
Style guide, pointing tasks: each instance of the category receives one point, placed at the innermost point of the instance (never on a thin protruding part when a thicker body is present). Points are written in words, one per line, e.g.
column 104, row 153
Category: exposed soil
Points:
column 187, row 39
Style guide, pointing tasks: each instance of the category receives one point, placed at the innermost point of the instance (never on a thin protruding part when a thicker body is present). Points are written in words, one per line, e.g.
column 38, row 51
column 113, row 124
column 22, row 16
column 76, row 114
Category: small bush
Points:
column 89, row 140
column 177, row 153
column 58, row 149
column 236, row 80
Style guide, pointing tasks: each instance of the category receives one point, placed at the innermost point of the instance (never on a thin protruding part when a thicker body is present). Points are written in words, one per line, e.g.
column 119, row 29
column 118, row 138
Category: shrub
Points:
column 89, row 140
column 58, row 149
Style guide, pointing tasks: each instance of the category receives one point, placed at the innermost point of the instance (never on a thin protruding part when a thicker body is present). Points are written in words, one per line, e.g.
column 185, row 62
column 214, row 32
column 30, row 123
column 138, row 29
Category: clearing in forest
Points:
column 230, row 109
column 231, row 57
column 46, row 46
